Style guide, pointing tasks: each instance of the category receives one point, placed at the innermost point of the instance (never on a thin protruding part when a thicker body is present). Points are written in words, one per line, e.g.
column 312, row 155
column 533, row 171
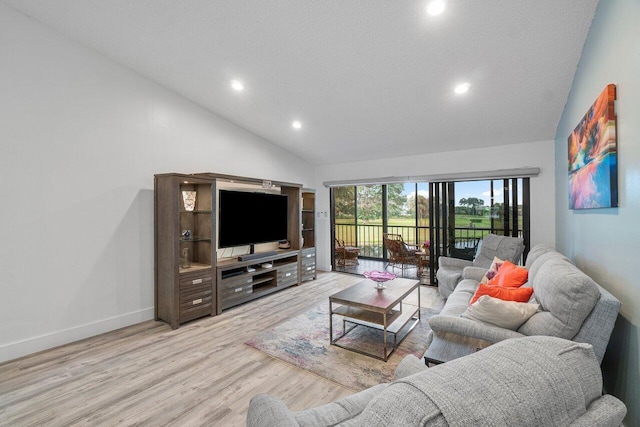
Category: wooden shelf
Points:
column 195, row 266
column 367, row 317
column 308, row 235
column 183, row 294
column 258, row 282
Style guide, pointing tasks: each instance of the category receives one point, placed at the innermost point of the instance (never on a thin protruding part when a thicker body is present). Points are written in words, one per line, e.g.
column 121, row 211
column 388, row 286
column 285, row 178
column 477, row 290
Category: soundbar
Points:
column 249, row 257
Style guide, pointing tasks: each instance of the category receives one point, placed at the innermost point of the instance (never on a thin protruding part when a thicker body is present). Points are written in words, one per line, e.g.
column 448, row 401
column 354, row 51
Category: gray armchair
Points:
column 450, row 269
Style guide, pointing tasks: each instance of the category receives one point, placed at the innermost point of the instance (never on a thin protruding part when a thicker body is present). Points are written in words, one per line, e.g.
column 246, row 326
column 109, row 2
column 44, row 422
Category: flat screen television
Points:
column 247, row 218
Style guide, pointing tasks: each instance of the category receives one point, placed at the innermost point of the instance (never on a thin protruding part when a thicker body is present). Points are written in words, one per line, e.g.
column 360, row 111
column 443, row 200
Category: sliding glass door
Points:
column 463, row 212
column 362, row 214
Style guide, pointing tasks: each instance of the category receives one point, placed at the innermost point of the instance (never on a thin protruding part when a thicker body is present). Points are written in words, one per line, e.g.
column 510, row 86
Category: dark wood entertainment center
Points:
column 200, row 284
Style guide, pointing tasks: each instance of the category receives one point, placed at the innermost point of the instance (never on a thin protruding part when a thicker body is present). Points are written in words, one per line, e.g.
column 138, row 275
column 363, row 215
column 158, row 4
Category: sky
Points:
column 466, row 189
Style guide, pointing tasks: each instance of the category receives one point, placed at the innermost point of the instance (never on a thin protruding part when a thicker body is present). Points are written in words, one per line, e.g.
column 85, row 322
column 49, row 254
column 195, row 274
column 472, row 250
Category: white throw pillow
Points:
column 505, row 314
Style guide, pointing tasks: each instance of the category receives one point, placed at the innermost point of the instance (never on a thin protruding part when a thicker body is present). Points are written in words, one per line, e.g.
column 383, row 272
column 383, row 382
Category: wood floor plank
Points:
column 149, row 374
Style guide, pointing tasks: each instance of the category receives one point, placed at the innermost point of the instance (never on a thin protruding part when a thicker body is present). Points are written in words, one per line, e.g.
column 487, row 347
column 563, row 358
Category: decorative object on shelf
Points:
column 426, row 245
column 284, row 244
column 189, row 200
column 186, row 234
column 380, row 277
column 185, row 258
column 593, row 156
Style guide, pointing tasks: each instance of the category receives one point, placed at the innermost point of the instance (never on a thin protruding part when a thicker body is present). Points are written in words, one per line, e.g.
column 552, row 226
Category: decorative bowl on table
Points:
column 380, row 277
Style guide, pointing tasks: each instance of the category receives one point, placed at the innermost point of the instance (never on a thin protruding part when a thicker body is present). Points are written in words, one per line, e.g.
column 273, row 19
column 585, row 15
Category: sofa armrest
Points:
column 471, row 328
column 408, row 366
column 606, row 411
column 474, row 273
column 445, row 261
column 266, row 410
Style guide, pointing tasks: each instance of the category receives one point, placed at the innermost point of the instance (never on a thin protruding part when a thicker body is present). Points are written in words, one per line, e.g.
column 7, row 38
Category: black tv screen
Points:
column 248, row 218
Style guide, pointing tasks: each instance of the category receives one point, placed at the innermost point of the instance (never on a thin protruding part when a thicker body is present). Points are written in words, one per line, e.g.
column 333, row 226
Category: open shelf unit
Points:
column 308, row 214
column 184, row 250
column 308, row 235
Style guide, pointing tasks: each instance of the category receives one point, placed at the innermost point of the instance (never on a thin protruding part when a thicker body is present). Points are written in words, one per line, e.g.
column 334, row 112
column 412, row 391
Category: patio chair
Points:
column 401, row 255
column 346, row 255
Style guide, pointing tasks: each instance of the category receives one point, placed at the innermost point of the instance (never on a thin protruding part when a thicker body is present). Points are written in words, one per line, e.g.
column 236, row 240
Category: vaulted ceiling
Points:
column 365, row 78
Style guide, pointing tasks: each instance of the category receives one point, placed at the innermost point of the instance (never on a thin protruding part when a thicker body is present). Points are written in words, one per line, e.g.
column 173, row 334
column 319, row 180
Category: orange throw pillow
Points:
column 510, row 276
column 505, row 294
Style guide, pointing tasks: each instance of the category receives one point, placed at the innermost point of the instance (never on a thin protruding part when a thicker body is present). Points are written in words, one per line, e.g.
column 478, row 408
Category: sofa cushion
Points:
column 566, row 296
column 506, row 294
column 501, row 246
column 541, row 260
column 473, row 273
column 459, row 300
column 509, row 276
column 535, row 252
column 506, row 314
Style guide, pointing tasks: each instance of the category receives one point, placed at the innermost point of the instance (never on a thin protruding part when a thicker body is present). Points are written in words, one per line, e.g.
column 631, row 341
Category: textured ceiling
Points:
column 368, row 78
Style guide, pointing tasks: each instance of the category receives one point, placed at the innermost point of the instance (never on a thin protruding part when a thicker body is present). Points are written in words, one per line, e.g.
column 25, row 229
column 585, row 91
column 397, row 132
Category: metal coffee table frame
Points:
column 364, row 305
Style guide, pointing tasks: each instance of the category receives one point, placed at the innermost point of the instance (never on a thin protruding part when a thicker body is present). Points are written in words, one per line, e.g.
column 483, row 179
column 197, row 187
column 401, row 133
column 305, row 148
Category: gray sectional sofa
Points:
column 531, row 381
column 572, row 306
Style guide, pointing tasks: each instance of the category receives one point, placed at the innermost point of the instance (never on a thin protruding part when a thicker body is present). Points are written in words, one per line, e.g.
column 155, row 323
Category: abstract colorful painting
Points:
column 593, row 156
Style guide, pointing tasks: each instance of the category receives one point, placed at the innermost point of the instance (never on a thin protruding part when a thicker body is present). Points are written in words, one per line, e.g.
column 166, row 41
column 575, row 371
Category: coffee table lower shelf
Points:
column 396, row 321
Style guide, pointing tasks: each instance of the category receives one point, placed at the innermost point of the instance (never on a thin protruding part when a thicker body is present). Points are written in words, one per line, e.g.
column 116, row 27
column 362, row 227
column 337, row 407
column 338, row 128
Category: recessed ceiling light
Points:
column 462, row 88
column 436, row 7
column 237, row 85
column 296, row 124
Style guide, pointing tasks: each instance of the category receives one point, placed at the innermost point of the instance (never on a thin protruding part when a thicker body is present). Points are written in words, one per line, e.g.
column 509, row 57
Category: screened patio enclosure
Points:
column 447, row 218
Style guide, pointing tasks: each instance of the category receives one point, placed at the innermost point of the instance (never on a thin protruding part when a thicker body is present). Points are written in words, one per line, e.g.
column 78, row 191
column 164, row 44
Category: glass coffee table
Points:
column 363, row 305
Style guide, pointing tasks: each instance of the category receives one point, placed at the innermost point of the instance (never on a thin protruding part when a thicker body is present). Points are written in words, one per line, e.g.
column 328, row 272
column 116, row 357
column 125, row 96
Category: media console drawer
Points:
column 233, row 291
column 288, row 276
column 196, row 278
column 196, row 294
column 243, row 279
column 308, row 264
column 307, row 254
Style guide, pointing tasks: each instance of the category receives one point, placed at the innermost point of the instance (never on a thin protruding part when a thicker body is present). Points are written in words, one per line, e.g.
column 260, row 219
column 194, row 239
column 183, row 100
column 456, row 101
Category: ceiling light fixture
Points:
column 462, row 88
column 436, row 7
column 296, row 124
column 237, row 85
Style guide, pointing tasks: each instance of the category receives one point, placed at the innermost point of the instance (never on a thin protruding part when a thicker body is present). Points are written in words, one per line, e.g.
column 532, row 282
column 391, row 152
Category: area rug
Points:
column 304, row 342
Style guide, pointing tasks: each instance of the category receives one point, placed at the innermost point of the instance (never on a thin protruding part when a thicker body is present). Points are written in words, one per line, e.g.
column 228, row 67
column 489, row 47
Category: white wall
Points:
column 605, row 243
column 81, row 138
column 537, row 154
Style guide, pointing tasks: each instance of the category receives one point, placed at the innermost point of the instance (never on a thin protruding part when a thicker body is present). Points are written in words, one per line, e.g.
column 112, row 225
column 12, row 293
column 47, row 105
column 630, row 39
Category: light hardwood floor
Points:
column 148, row 374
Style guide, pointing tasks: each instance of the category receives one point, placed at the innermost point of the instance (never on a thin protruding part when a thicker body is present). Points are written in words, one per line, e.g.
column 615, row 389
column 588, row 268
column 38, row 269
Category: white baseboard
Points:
column 43, row 342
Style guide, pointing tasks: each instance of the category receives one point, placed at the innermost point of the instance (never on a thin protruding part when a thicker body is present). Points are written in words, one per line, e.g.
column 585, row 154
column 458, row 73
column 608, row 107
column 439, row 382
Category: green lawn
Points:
column 370, row 232
column 462, row 221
